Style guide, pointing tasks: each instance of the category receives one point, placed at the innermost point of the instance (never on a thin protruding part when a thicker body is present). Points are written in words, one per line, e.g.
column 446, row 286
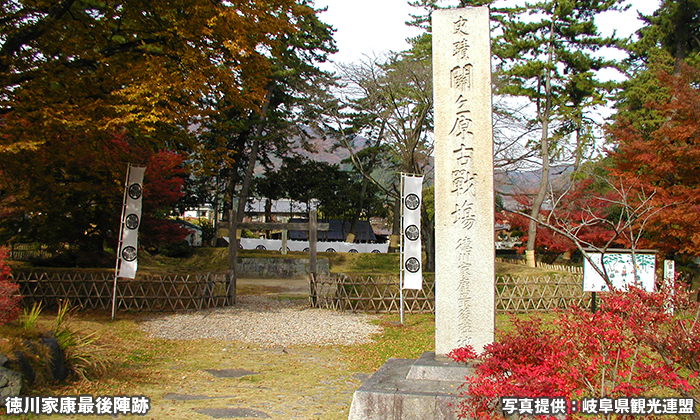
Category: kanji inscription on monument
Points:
column 464, row 273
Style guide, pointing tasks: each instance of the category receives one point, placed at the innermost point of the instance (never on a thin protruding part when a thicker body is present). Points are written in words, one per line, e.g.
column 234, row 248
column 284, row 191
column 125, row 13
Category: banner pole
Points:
column 119, row 244
column 401, row 255
column 114, row 296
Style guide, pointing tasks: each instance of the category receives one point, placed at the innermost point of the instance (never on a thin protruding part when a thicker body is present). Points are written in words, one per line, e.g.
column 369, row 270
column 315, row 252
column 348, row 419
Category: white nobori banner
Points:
column 411, row 198
column 131, row 220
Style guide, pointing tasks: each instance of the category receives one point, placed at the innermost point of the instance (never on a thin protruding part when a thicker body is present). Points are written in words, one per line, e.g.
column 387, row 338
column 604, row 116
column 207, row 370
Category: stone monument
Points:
column 427, row 388
column 464, row 230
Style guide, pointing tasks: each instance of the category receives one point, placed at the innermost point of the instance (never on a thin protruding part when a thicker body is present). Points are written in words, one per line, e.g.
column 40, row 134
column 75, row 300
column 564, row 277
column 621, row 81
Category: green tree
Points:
column 271, row 188
column 673, row 28
column 668, row 39
column 338, row 194
column 546, row 55
column 234, row 139
column 334, row 191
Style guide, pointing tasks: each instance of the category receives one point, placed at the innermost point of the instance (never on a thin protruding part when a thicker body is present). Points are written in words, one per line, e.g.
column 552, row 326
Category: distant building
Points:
column 503, row 238
column 280, row 210
column 205, row 211
column 337, row 231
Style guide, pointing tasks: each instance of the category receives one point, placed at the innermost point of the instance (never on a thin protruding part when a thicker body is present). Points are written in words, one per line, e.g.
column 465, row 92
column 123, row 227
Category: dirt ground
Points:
column 205, row 379
column 284, row 286
column 306, row 382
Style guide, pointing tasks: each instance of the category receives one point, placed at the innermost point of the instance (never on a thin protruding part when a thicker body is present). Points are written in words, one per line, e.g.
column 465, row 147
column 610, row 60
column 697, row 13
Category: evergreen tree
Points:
column 234, row 139
column 669, row 38
column 674, row 28
column 546, row 54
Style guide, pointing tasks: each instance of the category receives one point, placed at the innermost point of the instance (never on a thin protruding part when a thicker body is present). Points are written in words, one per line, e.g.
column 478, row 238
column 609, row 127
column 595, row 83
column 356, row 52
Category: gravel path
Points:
column 267, row 322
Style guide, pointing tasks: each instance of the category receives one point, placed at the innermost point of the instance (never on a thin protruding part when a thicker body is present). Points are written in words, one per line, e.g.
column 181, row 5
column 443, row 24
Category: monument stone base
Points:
column 410, row 389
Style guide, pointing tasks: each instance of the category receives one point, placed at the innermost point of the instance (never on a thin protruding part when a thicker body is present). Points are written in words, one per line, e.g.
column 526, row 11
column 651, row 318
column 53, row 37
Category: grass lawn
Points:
column 305, row 382
column 216, row 259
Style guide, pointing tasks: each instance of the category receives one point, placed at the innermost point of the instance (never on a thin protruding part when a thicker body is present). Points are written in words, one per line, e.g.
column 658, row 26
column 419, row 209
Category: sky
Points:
column 372, row 27
column 367, row 27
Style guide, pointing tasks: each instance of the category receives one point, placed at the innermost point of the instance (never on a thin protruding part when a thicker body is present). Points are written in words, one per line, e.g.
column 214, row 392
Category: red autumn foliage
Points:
column 463, row 354
column 163, row 187
column 547, row 243
column 633, row 346
column 581, row 211
column 70, row 190
column 664, row 159
column 9, row 298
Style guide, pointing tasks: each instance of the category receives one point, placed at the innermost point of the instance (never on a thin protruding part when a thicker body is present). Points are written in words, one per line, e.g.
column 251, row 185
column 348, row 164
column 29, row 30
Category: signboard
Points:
column 620, row 270
column 669, row 272
column 411, row 250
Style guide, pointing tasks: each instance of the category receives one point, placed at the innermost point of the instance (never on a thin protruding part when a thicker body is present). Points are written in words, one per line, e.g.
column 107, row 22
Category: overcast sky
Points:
column 367, row 26
column 375, row 26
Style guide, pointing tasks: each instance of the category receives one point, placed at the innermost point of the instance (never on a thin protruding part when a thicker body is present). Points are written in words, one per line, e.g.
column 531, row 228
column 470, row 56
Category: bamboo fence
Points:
column 375, row 294
column 381, row 294
column 369, row 294
column 27, row 252
column 150, row 293
column 574, row 269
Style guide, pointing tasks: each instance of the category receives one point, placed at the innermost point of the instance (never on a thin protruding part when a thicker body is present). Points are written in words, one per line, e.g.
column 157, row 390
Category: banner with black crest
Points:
column 131, row 220
column 411, row 250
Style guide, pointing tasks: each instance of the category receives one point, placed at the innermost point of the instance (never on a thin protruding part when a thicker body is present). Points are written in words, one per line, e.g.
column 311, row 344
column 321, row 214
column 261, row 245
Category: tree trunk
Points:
column 396, row 226
column 544, row 115
column 268, row 215
column 237, row 216
column 580, row 141
column 358, row 212
column 537, row 205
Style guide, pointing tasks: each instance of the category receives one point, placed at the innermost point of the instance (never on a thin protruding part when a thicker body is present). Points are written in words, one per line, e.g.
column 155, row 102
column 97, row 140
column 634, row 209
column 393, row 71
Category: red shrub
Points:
column 633, row 346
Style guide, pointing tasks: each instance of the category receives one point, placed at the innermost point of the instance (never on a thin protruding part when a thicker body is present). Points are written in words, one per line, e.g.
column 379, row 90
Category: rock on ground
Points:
column 10, row 384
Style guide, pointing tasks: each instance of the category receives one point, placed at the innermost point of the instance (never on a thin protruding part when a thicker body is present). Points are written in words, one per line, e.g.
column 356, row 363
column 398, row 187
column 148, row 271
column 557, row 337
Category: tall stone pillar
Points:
column 464, row 198
column 428, row 388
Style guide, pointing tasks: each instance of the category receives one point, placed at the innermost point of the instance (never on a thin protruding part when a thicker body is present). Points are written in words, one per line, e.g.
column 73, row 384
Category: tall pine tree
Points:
column 669, row 38
column 546, row 54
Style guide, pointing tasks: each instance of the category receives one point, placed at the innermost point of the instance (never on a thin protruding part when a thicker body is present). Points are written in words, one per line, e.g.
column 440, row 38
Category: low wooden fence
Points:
column 539, row 294
column 574, row 269
column 381, row 294
column 93, row 290
column 369, row 294
column 560, row 267
column 377, row 294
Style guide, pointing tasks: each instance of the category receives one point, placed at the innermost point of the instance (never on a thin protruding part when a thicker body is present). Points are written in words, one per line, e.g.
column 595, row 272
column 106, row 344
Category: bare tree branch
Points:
column 636, row 210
